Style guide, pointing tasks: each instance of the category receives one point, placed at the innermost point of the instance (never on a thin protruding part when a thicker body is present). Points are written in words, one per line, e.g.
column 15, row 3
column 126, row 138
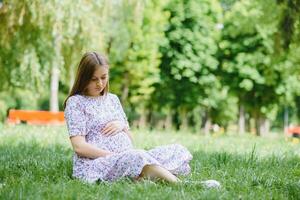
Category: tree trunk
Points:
column 125, row 87
column 143, row 118
column 286, row 119
column 257, row 125
column 198, row 119
column 241, row 120
column 266, row 126
column 160, row 124
column 207, row 124
column 183, row 119
column 248, row 124
column 168, row 120
column 262, row 126
column 54, row 89
column 55, row 68
column 135, row 124
column 252, row 127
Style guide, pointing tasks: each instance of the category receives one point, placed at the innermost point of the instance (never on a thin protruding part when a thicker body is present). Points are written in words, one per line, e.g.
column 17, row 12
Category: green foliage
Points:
column 247, row 51
column 23, row 57
column 185, row 60
column 188, row 56
column 289, row 22
column 133, row 48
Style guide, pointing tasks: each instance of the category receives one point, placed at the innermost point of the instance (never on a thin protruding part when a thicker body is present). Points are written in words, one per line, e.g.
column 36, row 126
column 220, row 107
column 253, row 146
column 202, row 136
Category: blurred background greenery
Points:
column 175, row 64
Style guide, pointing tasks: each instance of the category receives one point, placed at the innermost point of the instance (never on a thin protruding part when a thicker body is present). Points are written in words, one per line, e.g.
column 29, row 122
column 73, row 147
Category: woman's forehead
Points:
column 100, row 71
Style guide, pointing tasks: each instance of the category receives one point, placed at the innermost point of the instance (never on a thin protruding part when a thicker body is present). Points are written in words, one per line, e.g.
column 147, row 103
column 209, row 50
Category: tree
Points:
column 188, row 62
column 45, row 39
column 252, row 67
column 133, row 31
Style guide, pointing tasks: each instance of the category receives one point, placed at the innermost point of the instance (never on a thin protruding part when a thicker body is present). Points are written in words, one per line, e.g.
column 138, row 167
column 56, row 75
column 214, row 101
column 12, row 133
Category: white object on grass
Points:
column 211, row 184
column 207, row 184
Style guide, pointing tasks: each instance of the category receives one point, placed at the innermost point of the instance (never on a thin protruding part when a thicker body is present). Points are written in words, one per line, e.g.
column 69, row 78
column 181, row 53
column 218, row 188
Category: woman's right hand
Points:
column 113, row 128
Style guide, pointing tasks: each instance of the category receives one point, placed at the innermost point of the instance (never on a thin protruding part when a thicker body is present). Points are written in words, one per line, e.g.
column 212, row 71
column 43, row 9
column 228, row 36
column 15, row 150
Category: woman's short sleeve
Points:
column 75, row 117
column 121, row 111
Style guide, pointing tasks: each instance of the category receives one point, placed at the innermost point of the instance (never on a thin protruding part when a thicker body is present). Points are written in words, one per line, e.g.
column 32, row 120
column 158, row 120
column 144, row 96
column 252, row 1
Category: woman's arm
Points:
column 84, row 149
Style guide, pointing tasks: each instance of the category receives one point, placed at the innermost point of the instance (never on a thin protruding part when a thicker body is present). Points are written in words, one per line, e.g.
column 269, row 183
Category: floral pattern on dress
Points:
column 87, row 116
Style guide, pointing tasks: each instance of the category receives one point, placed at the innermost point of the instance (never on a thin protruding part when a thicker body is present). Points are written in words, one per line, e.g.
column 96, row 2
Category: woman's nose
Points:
column 99, row 83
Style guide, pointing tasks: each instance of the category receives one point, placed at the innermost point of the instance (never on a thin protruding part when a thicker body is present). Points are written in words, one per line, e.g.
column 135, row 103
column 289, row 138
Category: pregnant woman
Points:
column 100, row 136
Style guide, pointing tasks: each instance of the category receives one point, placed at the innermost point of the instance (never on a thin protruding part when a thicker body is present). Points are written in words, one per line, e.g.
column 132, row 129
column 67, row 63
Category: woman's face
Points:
column 98, row 82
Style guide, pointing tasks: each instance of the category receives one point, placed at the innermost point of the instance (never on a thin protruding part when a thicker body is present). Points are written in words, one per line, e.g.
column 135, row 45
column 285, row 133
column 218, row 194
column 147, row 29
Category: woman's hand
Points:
column 112, row 128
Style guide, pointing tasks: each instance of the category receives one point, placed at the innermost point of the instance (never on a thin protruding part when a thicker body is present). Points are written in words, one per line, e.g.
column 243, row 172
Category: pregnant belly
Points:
column 116, row 143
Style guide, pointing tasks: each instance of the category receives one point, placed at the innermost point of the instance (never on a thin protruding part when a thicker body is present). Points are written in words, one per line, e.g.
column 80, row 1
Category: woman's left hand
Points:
column 112, row 128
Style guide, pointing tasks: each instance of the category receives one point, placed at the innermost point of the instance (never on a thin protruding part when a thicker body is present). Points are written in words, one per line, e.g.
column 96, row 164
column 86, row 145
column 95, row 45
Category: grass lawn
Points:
column 35, row 163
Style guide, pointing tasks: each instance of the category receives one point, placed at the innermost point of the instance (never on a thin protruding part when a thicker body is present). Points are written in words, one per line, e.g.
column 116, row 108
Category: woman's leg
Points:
column 157, row 172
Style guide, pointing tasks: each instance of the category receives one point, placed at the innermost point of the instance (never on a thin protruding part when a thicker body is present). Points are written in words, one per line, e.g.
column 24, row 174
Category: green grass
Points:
column 35, row 163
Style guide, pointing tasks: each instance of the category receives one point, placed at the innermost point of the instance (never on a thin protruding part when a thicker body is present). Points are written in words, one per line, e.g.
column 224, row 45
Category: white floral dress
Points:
column 87, row 116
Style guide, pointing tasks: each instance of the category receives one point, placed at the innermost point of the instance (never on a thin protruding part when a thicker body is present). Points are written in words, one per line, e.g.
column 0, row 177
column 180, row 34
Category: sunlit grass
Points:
column 36, row 164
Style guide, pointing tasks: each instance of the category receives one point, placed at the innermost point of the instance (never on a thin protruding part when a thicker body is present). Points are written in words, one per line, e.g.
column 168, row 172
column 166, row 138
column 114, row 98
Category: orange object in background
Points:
column 294, row 131
column 34, row 117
